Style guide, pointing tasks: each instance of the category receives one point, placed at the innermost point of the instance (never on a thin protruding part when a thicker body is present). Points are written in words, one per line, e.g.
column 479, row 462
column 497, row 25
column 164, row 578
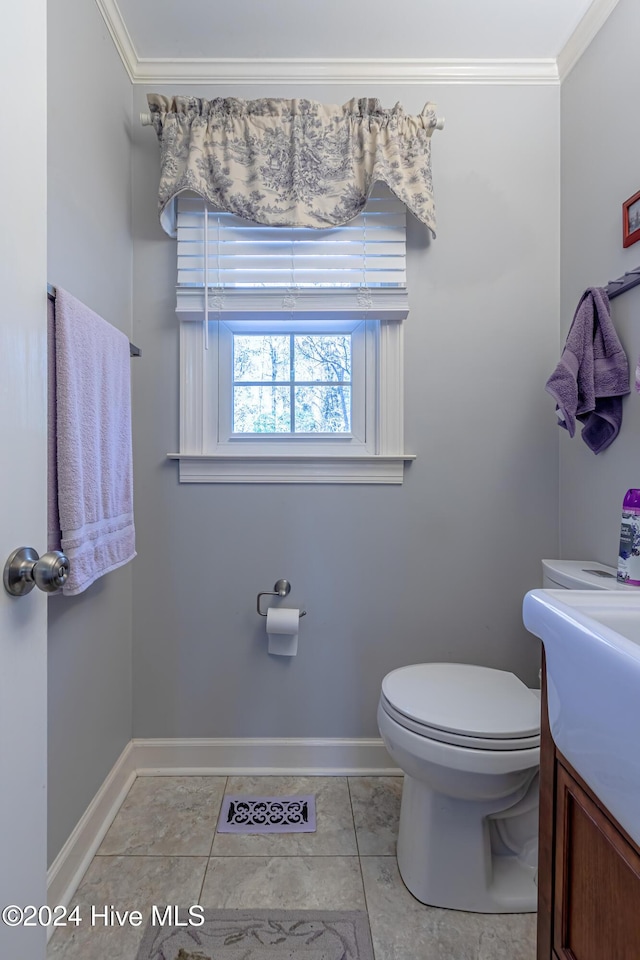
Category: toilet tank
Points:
column 580, row 575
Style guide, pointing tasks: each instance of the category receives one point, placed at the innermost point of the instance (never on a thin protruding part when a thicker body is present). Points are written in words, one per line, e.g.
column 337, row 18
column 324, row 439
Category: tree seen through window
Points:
column 292, row 383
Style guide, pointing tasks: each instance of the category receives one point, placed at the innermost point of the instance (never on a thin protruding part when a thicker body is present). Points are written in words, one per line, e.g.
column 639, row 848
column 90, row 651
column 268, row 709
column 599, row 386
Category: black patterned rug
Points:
column 261, row 935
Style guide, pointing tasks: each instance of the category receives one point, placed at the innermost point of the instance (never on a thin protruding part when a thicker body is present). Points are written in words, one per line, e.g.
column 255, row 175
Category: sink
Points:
column 592, row 646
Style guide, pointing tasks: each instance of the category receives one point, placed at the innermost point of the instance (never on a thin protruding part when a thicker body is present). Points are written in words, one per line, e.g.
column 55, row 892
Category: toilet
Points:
column 467, row 739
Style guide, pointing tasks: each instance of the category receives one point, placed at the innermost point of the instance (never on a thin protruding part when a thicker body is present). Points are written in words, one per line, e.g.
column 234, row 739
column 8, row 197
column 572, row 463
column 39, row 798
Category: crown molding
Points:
column 238, row 71
column 301, row 71
column 589, row 26
column 120, row 35
column 345, row 71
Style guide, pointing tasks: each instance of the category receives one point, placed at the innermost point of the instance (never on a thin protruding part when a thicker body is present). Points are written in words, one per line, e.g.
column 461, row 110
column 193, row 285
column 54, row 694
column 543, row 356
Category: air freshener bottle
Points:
column 629, row 553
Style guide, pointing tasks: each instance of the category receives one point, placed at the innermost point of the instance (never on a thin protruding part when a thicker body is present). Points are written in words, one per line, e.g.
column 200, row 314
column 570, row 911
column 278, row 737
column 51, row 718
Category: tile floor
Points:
column 162, row 849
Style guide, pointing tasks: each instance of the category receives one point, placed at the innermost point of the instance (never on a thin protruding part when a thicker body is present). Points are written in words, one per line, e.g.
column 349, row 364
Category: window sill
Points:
column 289, row 468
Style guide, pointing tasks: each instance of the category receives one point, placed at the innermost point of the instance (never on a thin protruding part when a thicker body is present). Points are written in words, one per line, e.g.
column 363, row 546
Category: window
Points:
column 291, row 367
column 281, row 382
column 290, row 384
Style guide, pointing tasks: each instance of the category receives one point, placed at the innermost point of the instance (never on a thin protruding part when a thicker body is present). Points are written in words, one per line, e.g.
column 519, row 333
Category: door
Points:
column 597, row 881
column 23, row 446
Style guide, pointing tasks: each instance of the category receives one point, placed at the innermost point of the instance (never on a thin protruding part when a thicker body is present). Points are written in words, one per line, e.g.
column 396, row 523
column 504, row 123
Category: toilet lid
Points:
column 464, row 699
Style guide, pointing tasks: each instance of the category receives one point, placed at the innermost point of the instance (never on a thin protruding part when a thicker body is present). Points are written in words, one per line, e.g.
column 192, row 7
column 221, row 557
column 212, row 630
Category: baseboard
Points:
column 204, row 757
column 67, row 870
column 255, row 757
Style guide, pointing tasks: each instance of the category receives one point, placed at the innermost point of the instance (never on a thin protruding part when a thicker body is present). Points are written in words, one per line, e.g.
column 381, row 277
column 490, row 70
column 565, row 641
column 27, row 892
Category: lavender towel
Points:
column 592, row 376
column 92, row 420
column 53, row 516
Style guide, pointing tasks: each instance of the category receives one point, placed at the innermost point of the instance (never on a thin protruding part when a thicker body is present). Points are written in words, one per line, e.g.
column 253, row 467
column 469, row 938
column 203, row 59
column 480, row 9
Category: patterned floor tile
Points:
column 404, row 929
column 166, row 816
column 124, row 884
column 302, row 883
column 376, row 812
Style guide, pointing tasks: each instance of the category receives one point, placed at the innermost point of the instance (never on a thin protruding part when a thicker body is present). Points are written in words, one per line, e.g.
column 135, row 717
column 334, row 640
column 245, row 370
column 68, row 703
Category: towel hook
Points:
column 280, row 589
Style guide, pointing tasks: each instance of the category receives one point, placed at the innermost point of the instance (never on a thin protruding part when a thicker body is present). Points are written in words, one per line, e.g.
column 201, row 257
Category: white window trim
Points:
column 204, row 459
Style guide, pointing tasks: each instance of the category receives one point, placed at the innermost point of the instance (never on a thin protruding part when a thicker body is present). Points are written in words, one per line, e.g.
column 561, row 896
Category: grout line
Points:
column 353, row 819
column 235, row 856
column 364, row 892
column 213, row 839
column 140, row 856
column 224, row 793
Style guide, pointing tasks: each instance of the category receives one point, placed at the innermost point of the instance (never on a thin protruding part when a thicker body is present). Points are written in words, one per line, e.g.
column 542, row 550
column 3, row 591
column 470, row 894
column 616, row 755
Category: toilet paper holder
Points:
column 280, row 589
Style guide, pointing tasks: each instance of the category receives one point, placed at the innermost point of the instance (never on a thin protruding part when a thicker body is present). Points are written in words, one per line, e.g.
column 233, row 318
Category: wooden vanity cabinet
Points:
column 588, row 867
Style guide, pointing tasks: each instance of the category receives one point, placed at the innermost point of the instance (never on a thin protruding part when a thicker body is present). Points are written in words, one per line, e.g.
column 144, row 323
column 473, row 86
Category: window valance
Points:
column 292, row 162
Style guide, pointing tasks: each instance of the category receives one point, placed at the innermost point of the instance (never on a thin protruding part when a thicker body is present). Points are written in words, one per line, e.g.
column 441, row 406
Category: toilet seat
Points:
column 463, row 705
column 457, row 739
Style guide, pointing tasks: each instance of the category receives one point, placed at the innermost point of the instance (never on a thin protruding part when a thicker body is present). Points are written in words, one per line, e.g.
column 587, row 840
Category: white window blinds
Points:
column 256, row 269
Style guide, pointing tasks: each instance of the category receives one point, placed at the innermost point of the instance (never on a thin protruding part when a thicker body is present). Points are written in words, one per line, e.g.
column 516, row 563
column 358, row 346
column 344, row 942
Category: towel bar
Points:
column 133, row 350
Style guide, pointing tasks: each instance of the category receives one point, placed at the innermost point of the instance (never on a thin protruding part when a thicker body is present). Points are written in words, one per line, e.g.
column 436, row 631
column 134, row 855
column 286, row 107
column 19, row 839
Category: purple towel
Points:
column 92, row 420
column 592, row 376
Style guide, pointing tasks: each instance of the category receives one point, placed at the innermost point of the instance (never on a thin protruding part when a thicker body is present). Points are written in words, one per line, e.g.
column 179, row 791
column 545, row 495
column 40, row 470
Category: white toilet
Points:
column 468, row 741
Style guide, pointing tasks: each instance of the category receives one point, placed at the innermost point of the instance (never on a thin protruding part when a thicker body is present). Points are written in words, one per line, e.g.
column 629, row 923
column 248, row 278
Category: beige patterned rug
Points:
column 262, row 935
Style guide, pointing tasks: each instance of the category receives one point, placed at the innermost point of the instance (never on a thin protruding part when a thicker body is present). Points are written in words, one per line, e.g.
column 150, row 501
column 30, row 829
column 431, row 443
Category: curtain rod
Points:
column 146, row 120
column 133, row 350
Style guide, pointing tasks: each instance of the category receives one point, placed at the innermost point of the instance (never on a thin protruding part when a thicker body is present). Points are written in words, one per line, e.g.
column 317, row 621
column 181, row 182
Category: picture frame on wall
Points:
column 631, row 220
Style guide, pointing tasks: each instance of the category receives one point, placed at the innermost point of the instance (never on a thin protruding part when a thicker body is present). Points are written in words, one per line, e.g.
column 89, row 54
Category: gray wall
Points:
column 433, row 570
column 90, row 254
column 600, row 150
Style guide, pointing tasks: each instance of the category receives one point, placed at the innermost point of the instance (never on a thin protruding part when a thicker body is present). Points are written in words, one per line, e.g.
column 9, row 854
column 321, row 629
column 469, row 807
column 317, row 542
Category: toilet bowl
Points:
column 467, row 739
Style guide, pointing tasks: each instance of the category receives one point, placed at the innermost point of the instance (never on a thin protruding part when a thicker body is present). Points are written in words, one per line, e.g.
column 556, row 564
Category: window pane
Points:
column 257, row 357
column 261, row 410
column 322, row 357
column 323, row 409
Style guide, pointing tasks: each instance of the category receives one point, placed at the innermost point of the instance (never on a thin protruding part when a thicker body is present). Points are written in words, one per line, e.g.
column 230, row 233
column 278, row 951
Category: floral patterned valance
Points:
column 292, row 162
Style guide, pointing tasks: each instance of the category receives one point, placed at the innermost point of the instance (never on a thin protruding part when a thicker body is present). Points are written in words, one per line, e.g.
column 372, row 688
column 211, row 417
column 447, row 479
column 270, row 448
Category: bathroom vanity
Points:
column 589, row 850
column 589, row 867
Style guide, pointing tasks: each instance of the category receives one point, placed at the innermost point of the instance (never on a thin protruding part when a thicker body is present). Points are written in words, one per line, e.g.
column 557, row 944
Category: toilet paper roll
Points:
column 283, row 624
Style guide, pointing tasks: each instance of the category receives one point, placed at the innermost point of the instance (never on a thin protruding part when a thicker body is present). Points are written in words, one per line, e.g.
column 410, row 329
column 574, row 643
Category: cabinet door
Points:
column 597, row 881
